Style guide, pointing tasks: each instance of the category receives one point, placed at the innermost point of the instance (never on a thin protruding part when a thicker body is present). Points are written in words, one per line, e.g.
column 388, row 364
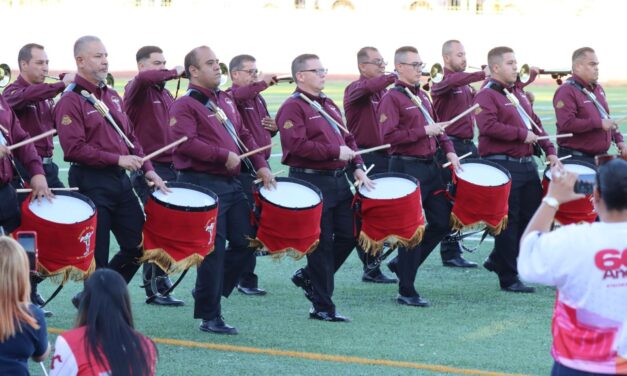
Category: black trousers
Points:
column 524, row 198
column 381, row 162
column 576, row 155
column 449, row 248
column 561, row 370
column 437, row 210
column 167, row 172
column 119, row 212
column 337, row 238
column 219, row 272
column 248, row 278
column 9, row 209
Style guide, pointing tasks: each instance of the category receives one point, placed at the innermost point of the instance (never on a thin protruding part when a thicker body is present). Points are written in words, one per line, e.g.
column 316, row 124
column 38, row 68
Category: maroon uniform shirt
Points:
column 576, row 113
column 209, row 143
column 33, row 104
column 252, row 108
column 403, row 124
column 452, row 96
column 501, row 128
column 26, row 154
column 86, row 137
column 361, row 99
column 307, row 138
column 146, row 102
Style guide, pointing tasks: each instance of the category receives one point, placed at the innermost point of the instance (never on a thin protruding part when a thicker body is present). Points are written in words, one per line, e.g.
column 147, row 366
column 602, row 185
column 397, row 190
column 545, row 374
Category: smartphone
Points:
column 585, row 183
column 28, row 241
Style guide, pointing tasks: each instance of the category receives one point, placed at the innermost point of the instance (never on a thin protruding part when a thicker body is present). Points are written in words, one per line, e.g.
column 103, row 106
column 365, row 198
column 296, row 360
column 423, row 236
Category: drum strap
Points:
column 422, row 108
column 521, row 111
column 3, row 141
column 591, row 96
column 224, row 120
column 316, row 106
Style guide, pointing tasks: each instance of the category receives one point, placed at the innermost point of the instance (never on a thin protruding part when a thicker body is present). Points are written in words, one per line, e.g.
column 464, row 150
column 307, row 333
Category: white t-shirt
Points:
column 588, row 265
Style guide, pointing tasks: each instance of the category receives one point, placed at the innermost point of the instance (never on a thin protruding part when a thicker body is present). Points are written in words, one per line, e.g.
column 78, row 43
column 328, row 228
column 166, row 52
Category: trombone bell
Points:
column 5, row 75
column 109, row 80
column 436, row 73
column 224, row 71
column 525, row 73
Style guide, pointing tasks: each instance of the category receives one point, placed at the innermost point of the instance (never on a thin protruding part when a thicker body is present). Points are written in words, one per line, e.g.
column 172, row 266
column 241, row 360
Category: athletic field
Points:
column 471, row 327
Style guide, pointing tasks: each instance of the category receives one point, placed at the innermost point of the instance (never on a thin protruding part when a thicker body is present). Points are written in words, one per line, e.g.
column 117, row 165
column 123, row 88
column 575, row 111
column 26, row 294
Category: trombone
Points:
column 525, row 74
column 435, row 74
column 109, row 80
column 5, row 75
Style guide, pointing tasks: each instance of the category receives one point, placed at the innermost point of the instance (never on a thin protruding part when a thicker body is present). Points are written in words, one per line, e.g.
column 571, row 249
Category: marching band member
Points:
column 246, row 91
column 210, row 158
column 581, row 108
column 321, row 153
column 506, row 136
column 101, row 146
column 407, row 123
column 451, row 96
column 361, row 99
column 146, row 102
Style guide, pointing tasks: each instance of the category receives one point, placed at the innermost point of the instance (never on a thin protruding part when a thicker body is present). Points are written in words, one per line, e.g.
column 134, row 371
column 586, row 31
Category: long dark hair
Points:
column 105, row 311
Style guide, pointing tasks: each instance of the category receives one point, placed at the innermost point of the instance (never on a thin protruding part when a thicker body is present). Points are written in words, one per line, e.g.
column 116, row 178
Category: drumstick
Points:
column 257, row 181
column 165, row 148
column 28, row 190
column 453, row 120
column 245, row 155
column 319, row 108
column 33, row 139
column 3, row 129
column 386, row 146
column 620, row 120
column 559, row 159
column 359, row 182
column 43, row 368
column 460, row 158
column 552, row 136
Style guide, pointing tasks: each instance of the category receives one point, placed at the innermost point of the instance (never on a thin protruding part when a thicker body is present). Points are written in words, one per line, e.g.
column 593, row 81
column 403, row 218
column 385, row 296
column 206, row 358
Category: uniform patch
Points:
column 559, row 104
column 478, row 110
column 172, row 121
column 66, row 120
column 382, row 118
column 288, row 124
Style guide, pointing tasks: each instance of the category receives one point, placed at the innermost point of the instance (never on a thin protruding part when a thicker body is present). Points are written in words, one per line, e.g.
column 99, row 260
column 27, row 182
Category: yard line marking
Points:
column 320, row 357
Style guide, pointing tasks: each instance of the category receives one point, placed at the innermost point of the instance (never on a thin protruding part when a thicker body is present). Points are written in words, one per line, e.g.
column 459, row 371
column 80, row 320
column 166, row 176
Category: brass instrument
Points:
column 287, row 78
column 525, row 74
column 5, row 75
column 110, row 81
column 224, row 70
column 435, row 74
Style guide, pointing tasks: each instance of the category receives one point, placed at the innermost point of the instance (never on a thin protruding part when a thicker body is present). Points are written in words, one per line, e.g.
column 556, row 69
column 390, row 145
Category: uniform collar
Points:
column 415, row 89
column 583, row 83
column 99, row 90
column 209, row 93
column 321, row 98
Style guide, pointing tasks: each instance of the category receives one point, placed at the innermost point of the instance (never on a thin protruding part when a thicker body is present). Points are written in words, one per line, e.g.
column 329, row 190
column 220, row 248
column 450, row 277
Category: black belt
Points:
column 503, row 157
column 462, row 140
column 412, row 159
column 311, row 171
column 575, row 153
column 116, row 169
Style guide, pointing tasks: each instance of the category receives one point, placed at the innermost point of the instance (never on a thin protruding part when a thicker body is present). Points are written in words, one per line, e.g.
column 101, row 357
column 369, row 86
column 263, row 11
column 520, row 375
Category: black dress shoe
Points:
column 415, row 301
column 251, row 290
column 327, row 316
column 217, row 325
column 459, row 262
column 37, row 299
column 518, row 287
column 167, row 300
column 301, row 280
column 76, row 299
column 376, row 276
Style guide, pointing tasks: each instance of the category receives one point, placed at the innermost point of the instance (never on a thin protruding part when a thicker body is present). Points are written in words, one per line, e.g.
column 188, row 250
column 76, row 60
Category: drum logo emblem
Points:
column 209, row 227
column 85, row 237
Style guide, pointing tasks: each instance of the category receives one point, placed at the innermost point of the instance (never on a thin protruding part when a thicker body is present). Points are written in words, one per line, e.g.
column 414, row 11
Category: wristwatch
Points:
column 552, row 202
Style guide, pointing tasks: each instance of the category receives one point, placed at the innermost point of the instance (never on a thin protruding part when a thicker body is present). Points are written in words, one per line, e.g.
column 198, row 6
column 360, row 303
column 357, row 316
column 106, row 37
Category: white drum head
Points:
column 572, row 167
column 184, row 197
column 63, row 209
column 389, row 187
column 483, row 175
column 291, row 195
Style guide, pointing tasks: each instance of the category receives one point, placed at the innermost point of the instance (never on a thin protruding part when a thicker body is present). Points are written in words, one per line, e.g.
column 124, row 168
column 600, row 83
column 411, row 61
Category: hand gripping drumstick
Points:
column 460, row 158
column 319, row 108
column 33, row 139
column 257, row 181
column 359, row 182
column 559, row 159
column 245, row 155
column 163, row 149
column 3, row 129
column 29, row 190
column 453, row 120
column 386, row 146
column 550, row 137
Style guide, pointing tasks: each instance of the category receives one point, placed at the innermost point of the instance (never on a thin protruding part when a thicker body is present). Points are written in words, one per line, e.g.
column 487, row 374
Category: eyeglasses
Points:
column 417, row 65
column 320, row 72
column 252, row 72
column 378, row 63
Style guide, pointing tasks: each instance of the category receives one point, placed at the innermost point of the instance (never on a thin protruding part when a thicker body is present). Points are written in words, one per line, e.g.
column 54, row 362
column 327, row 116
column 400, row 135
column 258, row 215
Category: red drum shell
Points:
column 577, row 211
